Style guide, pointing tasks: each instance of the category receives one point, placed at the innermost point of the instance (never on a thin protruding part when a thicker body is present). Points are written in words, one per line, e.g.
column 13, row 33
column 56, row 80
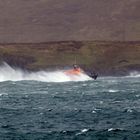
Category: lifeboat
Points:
column 76, row 71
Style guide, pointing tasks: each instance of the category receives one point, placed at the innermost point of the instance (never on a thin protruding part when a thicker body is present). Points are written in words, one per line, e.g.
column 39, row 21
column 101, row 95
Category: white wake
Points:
column 7, row 73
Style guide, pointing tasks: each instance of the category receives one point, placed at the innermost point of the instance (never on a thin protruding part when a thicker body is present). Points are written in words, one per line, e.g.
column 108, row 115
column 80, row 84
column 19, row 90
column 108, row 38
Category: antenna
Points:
column 75, row 60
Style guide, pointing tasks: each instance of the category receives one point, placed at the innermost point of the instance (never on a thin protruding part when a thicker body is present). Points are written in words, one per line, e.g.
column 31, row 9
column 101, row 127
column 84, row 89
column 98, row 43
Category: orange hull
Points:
column 74, row 72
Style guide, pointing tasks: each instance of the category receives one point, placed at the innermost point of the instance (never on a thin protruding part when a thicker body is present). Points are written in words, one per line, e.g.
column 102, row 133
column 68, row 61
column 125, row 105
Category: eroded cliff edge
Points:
column 104, row 57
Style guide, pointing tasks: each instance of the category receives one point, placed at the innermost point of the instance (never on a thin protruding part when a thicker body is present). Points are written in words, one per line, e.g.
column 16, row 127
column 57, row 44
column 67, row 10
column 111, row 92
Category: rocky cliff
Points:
column 105, row 57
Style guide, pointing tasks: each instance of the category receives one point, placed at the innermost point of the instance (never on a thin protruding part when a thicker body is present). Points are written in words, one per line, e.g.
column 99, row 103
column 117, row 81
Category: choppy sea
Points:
column 52, row 106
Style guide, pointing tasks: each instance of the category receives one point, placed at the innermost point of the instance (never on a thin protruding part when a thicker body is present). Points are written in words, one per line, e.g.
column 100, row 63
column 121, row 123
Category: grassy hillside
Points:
column 107, row 58
column 55, row 20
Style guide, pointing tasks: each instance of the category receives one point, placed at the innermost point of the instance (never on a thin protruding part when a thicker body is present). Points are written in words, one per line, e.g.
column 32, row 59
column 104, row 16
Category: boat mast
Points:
column 75, row 60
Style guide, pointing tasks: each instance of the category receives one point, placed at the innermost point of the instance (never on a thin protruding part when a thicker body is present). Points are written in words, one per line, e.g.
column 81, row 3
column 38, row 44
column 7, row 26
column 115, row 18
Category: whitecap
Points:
column 112, row 90
column 117, row 101
column 114, row 129
column 129, row 110
column 1, row 94
column 83, row 131
column 110, row 129
column 134, row 74
column 137, row 95
column 93, row 111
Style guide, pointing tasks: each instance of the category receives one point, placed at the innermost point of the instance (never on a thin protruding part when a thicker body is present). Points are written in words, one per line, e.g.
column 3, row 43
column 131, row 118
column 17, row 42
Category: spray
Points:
column 7, row 73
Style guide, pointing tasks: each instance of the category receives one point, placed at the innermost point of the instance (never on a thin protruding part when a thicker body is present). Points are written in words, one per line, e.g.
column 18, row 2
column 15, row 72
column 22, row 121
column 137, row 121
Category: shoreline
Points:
column 108, row 58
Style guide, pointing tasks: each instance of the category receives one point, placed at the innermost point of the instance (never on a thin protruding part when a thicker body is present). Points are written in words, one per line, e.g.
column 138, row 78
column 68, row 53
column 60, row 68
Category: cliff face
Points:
column 107, row 58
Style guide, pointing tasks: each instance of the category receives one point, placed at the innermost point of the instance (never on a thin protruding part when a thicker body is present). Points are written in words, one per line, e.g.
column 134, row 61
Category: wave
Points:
column 8, row 73
column 134, row 74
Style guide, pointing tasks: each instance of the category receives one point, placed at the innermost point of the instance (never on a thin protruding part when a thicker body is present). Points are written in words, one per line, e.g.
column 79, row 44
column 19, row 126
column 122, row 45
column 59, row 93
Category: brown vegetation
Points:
column 105, row 57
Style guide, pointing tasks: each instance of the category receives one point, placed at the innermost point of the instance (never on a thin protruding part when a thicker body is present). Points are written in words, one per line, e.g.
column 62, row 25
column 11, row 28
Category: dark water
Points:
column 106, row 109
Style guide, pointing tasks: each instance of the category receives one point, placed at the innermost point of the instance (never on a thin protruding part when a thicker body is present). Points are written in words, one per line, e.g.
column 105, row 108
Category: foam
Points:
column 8, row 73
column 134, row 74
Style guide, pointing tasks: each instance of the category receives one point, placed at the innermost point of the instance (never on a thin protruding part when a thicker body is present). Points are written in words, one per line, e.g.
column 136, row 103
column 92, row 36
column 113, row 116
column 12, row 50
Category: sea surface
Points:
column 83, row 109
